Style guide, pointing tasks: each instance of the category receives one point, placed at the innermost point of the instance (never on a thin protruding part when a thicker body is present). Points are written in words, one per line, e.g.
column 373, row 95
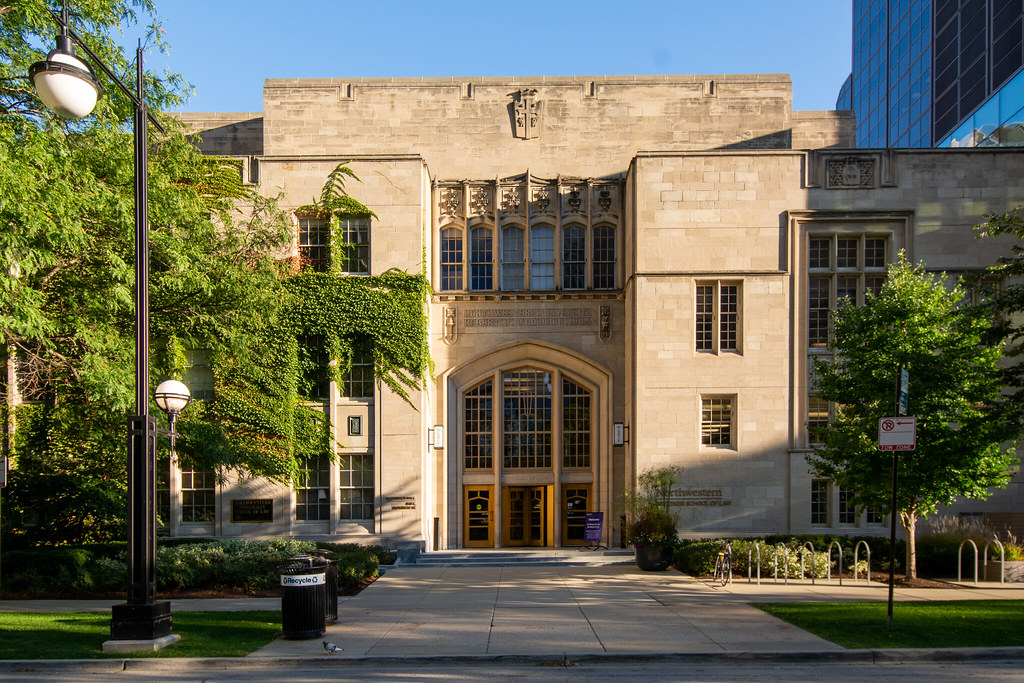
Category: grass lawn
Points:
column 80, row 635
column 861, row 625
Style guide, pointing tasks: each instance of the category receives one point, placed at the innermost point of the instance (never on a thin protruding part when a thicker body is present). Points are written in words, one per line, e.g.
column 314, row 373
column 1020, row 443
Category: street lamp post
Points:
column 68, row 86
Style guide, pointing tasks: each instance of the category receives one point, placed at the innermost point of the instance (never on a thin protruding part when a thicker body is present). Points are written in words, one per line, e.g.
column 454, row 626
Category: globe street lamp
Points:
column 68, row 86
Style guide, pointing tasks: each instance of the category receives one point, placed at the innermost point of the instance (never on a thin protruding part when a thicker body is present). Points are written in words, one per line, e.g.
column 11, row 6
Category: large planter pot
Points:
column 652, row 558
column 1014, row 571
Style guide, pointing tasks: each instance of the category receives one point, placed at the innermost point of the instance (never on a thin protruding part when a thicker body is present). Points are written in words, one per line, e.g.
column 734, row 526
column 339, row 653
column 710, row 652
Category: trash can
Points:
column 332, row 584
column 304, row 597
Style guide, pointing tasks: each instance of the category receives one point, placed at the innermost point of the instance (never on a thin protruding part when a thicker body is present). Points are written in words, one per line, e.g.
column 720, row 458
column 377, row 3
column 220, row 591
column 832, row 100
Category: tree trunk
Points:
column 909, row 520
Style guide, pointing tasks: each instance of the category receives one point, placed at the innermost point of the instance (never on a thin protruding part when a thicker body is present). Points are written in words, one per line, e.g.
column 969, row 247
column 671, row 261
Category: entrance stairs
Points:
column 523, row 557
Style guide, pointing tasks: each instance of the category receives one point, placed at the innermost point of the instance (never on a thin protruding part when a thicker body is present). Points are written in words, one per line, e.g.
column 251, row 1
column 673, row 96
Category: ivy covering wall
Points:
column 263, row 419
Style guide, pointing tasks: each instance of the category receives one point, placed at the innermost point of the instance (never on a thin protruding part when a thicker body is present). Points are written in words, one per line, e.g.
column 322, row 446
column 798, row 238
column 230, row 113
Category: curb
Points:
column 562, row 659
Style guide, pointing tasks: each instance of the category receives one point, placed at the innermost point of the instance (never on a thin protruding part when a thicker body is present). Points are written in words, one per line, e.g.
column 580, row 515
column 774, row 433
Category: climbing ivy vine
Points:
column 264, row 420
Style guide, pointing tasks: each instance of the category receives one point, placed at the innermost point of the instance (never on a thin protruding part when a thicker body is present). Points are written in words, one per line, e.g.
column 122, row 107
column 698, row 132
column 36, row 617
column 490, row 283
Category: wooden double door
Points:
column 527, row 516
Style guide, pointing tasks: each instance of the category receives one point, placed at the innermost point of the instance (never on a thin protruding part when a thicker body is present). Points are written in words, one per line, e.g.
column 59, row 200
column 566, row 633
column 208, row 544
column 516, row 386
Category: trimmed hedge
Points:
column 193, row 564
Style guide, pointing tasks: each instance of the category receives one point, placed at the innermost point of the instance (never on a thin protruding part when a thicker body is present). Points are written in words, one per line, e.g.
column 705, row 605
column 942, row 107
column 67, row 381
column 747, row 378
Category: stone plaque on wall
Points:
column 252, row 511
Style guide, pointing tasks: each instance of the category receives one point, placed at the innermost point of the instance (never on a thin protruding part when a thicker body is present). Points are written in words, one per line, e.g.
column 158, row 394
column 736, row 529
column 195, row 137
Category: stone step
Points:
column 522, row 558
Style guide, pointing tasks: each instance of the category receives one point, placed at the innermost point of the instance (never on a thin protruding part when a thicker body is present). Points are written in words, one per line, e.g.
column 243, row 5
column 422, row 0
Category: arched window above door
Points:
column 542, row 413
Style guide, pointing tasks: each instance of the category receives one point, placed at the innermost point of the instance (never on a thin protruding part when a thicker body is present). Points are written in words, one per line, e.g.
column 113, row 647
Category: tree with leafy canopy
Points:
column 67, row 272
column 67, row 303
column 966, row 429
column 1004, row 305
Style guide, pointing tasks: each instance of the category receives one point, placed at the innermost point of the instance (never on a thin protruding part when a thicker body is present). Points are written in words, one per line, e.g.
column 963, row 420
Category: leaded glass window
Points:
column 513, row 259
column 451, row 259
column 526, row 419
column 479, row 407
column 576, row 425
column 542, row 258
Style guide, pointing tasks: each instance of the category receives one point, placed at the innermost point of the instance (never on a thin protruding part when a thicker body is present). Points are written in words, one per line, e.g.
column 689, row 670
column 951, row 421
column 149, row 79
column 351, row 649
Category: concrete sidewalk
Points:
column 415, row 611
column 419, row 611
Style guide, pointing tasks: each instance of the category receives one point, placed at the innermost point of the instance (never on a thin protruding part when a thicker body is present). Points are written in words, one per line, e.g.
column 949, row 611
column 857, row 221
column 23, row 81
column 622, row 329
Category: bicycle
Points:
column 723, row 564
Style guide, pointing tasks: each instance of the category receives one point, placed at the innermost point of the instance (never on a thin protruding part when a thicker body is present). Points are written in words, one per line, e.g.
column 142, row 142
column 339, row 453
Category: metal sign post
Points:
column 896, row 434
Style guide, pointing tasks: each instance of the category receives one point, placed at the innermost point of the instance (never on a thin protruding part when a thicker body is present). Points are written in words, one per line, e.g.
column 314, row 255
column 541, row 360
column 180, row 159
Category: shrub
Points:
column 697, row 557
column 203, row 564
column 252, row 565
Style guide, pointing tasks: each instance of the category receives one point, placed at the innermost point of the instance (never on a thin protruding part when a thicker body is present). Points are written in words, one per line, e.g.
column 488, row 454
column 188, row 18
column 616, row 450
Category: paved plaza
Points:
column 565, row 611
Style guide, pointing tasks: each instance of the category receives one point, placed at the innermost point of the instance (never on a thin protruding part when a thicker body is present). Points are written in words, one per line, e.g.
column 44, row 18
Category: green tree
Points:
column 67, row 269
column 1005, row 304
column 67, row 307
column 966, row 430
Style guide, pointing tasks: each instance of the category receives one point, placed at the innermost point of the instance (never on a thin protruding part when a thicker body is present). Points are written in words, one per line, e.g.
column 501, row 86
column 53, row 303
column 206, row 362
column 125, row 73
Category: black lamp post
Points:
column 68, row 86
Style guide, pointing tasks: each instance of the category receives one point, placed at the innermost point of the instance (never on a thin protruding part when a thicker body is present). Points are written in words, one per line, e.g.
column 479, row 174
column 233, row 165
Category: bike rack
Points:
column 729, row 550
column 856, row 557
column 959, row 560
column 1002, row 560
column 803, row 572
column 750, row 568
column 785, row 559
column 829, row 565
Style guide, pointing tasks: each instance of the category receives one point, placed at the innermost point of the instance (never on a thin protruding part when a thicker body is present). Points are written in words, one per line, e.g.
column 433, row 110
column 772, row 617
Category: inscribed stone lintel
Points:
column 526, row 479
column 529, row 317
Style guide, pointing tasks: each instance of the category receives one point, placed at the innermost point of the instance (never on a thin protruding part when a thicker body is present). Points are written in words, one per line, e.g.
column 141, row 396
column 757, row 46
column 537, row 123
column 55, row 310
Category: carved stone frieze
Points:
column 574, row 199
column 480, row 201
column 511, row 200
column 526, row 112
column 451, row 330
column 850, row 172
column 605, row 323
column 542, row 200
column 451, row 198
column 604, row 199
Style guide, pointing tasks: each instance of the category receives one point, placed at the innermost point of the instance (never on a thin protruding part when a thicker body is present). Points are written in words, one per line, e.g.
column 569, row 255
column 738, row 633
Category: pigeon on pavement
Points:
column 331, row 648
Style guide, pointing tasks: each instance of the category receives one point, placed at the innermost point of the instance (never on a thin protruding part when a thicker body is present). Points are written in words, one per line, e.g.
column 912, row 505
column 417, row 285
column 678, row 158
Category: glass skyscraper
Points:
column 937, row 73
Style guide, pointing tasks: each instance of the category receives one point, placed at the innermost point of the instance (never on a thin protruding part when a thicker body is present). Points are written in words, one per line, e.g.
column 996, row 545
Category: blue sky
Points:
column 226, row 48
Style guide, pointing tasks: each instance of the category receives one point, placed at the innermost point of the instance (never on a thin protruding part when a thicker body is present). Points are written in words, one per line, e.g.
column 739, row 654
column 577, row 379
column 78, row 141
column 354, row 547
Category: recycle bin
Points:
column 332, row 584
column 304, row 597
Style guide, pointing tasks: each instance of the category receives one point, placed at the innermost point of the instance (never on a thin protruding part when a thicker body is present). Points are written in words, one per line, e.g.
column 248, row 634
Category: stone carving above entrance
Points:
column 851, row 172
column 451, row 197
column 526, row 112
column 451, row 329
column 480, row 204
column 529, row 197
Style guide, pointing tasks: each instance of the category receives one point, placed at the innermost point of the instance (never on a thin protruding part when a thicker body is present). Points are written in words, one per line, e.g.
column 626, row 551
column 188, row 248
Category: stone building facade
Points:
column 626, row 273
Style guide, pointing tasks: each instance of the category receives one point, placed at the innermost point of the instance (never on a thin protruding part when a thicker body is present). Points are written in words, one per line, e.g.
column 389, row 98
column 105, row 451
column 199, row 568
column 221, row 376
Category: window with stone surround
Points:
column 451, row 259
column 314, row 244
column 542, row 257
column 574, row 257
column 542, row 413
column 847, row 512
column 198, row 494
column 841, row 266
column 513, row 259
column 312, row 487
column 354, row 244
column 818, row 416
column 717, row 421
column 358, row 381
column 355, row 477
column 481, row 259
column 717, row 317
column 819, row 502
column 556, row 241
column 604, row 257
